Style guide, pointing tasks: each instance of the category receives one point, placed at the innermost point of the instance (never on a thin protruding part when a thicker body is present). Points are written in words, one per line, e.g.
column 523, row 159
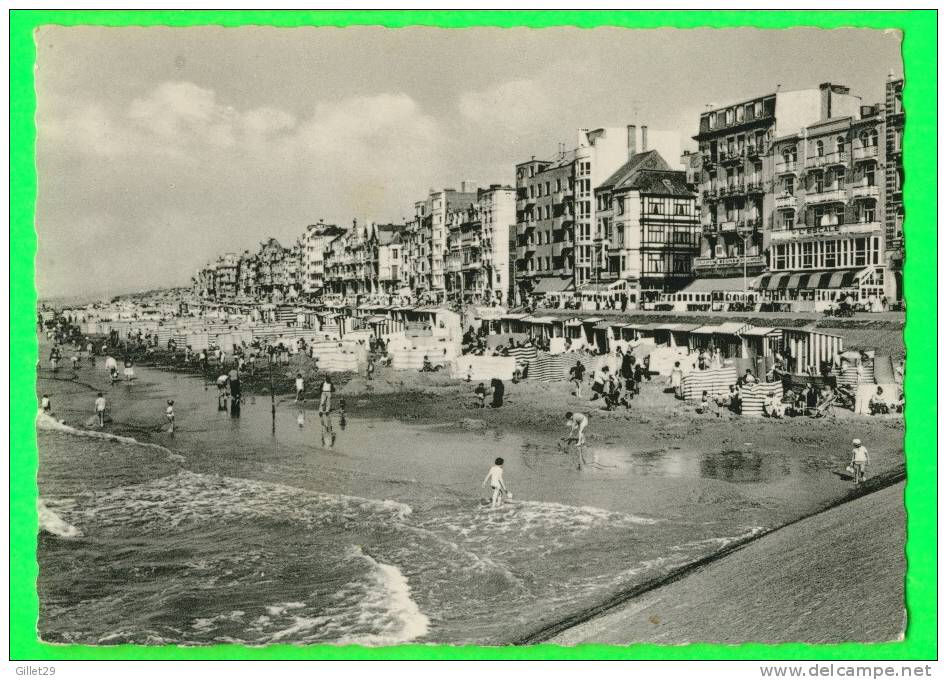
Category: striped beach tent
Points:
column 714, row 380
column 754, row 396
column 552, row 367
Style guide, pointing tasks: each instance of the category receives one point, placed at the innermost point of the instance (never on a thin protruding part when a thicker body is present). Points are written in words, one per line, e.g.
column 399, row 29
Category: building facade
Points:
column 736, row 183
column 649, row 229
column 836, row 226
column 314, row 241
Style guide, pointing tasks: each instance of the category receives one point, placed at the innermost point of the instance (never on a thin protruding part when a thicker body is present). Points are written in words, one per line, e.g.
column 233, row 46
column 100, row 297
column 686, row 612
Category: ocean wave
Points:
column 169, row 502
column 50, row 424
column 52, row 523
column 389, row 607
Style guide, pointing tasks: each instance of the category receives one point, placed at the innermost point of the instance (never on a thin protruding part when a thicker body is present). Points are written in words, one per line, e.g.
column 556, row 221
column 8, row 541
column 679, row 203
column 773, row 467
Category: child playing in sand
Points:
column 481, row 393
column 495, row 478
column 577, row 423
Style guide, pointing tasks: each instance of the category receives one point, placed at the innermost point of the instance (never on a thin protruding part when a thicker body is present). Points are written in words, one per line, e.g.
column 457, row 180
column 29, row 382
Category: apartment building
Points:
column 248, row 271
column 894, row 181
column 314, row 242
column 477, row 259
column 556, row 210
column 225, row 278
column 648, row 229
column 392, row 260
column 367, row 262
column 736, row 183
column 832, row 236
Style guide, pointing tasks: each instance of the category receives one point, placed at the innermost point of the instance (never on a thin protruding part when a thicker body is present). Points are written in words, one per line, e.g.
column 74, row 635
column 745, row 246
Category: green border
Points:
column 920, row 59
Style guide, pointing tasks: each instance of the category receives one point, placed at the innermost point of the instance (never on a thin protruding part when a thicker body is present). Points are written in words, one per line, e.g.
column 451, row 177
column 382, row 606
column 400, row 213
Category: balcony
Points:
column 710, row 194
column 834, row 158
column 754, row 187
column 752, row 151
column 862, row 153
column 869, row 191
column 731, row 157
column 709, row 161
column 706, row 264
column 783, row 234
column 826, row 196
column 785, row 202
column 787, row 168
column 729, row 225
column 736, row 188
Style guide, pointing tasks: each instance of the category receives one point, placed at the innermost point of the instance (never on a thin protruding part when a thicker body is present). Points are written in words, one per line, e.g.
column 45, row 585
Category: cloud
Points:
column 177, row 173
column 508, row 105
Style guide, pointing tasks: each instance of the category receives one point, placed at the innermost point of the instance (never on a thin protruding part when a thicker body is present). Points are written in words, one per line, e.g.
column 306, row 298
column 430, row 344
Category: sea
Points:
column 248, row 529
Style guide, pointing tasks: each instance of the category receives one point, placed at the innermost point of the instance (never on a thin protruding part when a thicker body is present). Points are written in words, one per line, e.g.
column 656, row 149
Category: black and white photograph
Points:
column 483, row 336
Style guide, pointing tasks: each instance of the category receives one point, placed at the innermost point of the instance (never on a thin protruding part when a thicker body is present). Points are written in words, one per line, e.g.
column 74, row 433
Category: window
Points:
column 840, row 145
column 680, row 209
column 870, row 176
column 807, row 255
column 740, row 113
column 819, row 185
column 558, row 184
column 779, row 257
column 868, row 213
column 758, row 109
column 729, row 117
column 712, row 121
column 656, row 207
column 819, row 148
column 829, row 258
column 620, row 206
column 790, row 185
column 860, row 254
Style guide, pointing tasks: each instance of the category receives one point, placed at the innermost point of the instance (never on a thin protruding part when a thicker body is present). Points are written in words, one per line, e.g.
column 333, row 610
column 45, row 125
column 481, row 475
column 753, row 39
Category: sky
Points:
column 160, row 148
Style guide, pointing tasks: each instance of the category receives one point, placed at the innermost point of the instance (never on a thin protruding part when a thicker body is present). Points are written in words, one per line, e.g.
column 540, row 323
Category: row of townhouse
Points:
column 795, row 195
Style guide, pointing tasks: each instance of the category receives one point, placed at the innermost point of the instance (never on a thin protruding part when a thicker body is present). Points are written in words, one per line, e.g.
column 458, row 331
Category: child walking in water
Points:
column 169, row 412
column 495, row 478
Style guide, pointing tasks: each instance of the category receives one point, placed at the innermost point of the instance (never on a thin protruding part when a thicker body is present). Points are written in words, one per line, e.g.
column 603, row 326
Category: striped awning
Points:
column 833, row 279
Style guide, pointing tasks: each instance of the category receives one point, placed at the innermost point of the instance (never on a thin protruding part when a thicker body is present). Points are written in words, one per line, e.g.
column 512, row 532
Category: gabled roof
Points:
column 658, row 182
column 645, row 160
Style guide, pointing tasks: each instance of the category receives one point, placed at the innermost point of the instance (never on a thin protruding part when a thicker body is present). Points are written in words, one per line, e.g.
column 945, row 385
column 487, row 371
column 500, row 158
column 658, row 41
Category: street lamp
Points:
column 745, row 233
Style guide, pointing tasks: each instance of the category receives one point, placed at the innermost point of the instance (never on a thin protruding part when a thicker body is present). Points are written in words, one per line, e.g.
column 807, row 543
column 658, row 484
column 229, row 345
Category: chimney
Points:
column 644, row 138
column 632, row 141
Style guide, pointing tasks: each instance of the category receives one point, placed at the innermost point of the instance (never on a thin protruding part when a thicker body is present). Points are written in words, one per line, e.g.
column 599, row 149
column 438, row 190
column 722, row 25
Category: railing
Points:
column 787, row 167
column 865, row 191
column 710, row 194
column 827, row 159
column 827, row 196
column 729, row 225
column 785, row 201
column 863, row 152
column 754, row 187
column 783, row 233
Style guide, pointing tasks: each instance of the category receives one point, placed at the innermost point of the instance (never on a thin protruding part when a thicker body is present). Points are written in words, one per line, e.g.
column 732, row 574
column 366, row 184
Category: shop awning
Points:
column 821, row 280
column 724, row 285
column 552, row 284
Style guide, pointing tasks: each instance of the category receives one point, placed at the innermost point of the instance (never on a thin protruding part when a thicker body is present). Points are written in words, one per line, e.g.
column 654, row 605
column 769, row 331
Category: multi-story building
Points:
column 204, row 282
column 314, row 243
column 830, row 238
column 428, row 239
column 247, row 287
column 477, row 260
column 556, row 211
column 392, row 260
column 648, row 229
column 736, row 182
column 225, row 279
column 894, row 180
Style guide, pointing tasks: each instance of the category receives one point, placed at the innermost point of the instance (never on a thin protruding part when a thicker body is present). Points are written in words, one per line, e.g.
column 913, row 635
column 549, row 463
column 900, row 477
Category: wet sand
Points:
column 835, row 577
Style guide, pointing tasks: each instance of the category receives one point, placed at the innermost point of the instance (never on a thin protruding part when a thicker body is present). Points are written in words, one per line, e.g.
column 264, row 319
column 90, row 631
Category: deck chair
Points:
column 823, row 408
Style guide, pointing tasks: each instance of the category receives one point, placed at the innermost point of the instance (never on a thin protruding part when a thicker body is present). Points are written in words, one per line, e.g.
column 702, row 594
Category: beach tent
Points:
column 808, row 347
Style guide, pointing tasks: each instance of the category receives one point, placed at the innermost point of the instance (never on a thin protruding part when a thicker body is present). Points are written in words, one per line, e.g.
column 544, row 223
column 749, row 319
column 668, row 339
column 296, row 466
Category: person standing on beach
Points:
column 859, row 461
column 46, row 405
column 100, row 410
column 222, row 394
column 233, row 379
column 300, row 387
column 677, row 380
column 325, row 398
column 495, row 479
column 576, row 374
column 169, row 414
column 481, row 393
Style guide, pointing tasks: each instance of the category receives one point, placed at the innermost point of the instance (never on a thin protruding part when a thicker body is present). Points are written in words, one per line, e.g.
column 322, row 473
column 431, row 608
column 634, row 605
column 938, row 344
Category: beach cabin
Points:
column 725, row 336
column 806, row 348
column 540, row 326
column 761, row 342
column 513, row 323
column 675, row 335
